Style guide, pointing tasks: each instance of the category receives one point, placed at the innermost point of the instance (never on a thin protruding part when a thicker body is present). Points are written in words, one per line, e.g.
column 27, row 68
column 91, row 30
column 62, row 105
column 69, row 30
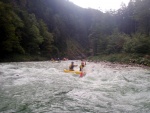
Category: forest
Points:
column 44, row 29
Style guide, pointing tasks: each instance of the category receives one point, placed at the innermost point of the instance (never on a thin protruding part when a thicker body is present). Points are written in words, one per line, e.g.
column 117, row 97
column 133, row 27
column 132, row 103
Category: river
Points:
column 43, row 87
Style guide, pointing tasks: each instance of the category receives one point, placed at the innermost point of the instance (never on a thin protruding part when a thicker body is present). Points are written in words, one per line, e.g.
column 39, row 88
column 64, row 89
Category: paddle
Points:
column 81, row 74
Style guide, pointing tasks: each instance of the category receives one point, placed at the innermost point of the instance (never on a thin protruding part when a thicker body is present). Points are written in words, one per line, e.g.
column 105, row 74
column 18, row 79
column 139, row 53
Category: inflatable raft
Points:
column 74, row 72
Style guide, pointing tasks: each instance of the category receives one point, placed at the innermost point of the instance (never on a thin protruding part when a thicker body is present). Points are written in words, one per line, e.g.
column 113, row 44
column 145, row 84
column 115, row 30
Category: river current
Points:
column 43, row 87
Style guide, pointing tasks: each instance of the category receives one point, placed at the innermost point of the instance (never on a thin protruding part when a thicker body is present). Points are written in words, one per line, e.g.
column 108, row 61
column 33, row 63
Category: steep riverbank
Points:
column 132, row 59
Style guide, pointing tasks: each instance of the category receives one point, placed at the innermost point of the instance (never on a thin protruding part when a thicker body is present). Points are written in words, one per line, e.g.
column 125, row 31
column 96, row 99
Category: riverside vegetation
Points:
column 42, row 29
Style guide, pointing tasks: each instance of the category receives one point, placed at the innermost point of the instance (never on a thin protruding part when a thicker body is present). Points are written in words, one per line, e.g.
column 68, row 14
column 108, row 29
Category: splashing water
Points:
column 43, row 87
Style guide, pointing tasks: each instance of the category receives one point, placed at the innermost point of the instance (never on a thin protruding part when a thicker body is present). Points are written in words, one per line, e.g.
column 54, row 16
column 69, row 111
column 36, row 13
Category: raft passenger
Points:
column 71, row 67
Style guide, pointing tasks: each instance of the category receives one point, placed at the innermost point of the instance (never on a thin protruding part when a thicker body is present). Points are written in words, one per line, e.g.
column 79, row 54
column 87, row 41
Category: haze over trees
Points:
column 59, row 28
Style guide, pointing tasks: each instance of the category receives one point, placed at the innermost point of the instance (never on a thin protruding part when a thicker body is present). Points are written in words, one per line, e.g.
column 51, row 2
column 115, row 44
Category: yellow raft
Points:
column 74, row 72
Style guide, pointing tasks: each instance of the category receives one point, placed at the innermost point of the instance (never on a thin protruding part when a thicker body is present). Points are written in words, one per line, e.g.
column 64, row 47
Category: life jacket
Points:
column 81, row 67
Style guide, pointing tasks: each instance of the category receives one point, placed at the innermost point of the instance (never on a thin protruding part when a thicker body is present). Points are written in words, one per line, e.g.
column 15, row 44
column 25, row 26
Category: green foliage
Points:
column 115, row 42
column 31, row 37
column 22, row 33
column 9, row 25
column 138, row 43
column 58, row 27
column 142, row 15
column 35, row 36
column 123, row 58
column 46, row 46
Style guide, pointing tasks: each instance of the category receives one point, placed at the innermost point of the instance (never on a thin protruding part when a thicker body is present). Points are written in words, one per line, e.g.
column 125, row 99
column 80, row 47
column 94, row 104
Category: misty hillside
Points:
column 59, row 28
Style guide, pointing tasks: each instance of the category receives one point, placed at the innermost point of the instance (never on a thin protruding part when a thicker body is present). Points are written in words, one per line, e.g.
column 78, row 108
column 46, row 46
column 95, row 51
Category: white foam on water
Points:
column 44, row 87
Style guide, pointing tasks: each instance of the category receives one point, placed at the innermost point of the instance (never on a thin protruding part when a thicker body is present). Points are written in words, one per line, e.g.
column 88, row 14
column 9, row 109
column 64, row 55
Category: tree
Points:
column 139, row 43
column 46, row 46
column 115, row 42
column 142, row 15
column 31, row 37
column 10, row 24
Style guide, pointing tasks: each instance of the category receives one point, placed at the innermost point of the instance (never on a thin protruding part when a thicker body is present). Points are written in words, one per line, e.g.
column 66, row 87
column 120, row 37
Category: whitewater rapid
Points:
column 43, row 87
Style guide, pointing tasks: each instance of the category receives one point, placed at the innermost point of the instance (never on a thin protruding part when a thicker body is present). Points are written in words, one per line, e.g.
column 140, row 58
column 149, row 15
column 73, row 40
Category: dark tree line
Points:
column 58, row 28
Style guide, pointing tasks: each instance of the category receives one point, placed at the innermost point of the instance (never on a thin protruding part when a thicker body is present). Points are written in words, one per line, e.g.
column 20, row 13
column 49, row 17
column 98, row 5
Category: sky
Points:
column 103, row 5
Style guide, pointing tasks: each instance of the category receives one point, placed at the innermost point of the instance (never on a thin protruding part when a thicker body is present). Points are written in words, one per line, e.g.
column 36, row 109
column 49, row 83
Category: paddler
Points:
column 71, row 67
column 82, row 66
